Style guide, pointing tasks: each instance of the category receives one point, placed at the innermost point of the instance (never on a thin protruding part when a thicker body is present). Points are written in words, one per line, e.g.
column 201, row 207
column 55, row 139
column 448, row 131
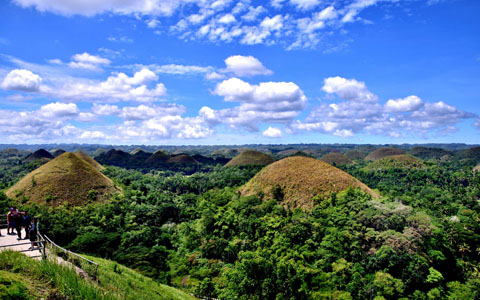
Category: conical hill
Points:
column 89, row 160
column 182, row 159
column 336, row 159
column 250, row 157
column 65, row 179
column 402, row 161
column 41, row 154
column 300, row 180
column 383, row 152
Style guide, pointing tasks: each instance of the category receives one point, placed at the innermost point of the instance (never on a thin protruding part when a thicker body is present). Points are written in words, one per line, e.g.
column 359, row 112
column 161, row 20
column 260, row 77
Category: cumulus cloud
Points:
column 59, row 110
column 272, row 132
column 144, row 112
column 179, row 69
column 358, row 111
column 88, row 61
column 246, row 66
column 22, row 80
column 305, row 4
column 105, row 109
column 91, row 135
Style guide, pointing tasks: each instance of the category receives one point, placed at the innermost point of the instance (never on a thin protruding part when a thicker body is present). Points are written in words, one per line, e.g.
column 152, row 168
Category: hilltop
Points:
column 429, row 153
column 300, row 180
column 402, row 161
column 336, row 159
column 182, row 159
column 66, row 178
column 114, row 157
column 40, row 154
column 157, row 158
column 250, row 157
column 89, row 160
column 383, row 152
column 354, row 154
column 58, row 152
column 471, row 154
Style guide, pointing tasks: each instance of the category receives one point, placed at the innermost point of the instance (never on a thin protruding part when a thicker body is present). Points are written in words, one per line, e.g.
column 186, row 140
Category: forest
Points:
column 193, row 229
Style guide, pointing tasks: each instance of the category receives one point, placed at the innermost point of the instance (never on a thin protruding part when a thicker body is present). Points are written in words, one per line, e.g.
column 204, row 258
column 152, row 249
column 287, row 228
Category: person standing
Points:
column 18, row 219
column 33, row 233
column 27, row 222
column 11, row 223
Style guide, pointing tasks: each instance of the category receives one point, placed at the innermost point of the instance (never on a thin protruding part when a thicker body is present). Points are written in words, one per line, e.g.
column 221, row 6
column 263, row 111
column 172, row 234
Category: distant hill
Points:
column 66, row 178
column 470, row 154
column 182, row 159
column 428, row 153
column 299, row 180
column 250, row 157
column 114, row 157
column 89, row 160
column 157, row 158
column 41, row 154
column 58, row 152
column 355, row 154
column 138, row 158
column 383, row 152
column 402, row 161
column 9, row 152
column 98, row 152
column 336, row 159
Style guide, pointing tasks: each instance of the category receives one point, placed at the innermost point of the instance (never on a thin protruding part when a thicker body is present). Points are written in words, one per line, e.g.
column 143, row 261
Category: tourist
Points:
column 10, row 222
column 33, row 233
column 27, row 222
column 18, row 219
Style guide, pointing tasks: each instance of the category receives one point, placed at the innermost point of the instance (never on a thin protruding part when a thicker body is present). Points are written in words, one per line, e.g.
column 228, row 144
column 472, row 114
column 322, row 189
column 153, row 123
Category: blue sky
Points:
column 237, row 72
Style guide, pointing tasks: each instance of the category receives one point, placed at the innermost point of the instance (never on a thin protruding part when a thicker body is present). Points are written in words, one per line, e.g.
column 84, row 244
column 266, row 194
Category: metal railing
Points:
column 89, row 266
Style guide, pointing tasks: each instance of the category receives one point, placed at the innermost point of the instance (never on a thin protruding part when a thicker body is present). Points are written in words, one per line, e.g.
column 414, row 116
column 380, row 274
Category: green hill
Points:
column 250, row 157
column 383, row 152
column 472, row 154
column 58, row 152
column 428, row 153
column 182, row 159
column 157, row 158
column 336, row 159
column 89, row 160
column 114, row 157
column 23, row 278
column 40, row 154
column 67, row 178
column 297, row 180
column 354, row 154
column 402, row 161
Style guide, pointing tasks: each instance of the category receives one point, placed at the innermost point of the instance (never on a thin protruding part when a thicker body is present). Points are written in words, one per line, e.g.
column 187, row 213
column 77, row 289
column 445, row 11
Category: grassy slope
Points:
column 336, row 158
column 301, row 178
column 383, row 152
column 354, row 154
column 402, row 161
column 67, row 177
column 45, row 279
column 250, row 157
column 89, row 160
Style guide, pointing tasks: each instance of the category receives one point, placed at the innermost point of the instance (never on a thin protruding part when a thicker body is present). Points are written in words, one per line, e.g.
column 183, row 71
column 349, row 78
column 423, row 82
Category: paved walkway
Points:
column 17, row 245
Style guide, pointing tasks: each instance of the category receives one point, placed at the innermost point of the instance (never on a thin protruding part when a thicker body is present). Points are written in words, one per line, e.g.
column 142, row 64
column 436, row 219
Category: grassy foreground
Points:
column 24, row 278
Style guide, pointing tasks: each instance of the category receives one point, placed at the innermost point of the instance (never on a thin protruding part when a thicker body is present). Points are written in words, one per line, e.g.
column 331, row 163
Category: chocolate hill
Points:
column 428, row 153
column 471, row 154
column 336, row 159
column 182, row 159
column 301, row 179
column 354, row 154
column 383, row 152
column 250, row 157
column 89, row 160
column 41, row 154
column 65, row 179
column 402, row 161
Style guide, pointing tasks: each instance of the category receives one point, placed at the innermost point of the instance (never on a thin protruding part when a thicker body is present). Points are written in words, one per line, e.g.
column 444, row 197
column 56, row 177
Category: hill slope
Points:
column 66, row 178
column 300, row 179
column 471, row 154
column 182, row 159
column 39, row 154
column 89, row 160
column 428, row 153
column 383, row 152
column 334, row 158
column 354, row 154
column 402, row 161
column 250, row 157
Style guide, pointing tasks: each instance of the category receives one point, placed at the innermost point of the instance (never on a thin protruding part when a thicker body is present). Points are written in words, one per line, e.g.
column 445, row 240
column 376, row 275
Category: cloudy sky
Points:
column 237, row 72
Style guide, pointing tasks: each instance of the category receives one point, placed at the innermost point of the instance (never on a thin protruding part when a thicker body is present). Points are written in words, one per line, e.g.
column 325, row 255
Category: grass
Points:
column 89, row 160
column 24, row 278
column 67, row 178
column 402, row 161
column 250, row 157
column 296, row 180
column 383, row 152
column 355, row 154
column 336, row 159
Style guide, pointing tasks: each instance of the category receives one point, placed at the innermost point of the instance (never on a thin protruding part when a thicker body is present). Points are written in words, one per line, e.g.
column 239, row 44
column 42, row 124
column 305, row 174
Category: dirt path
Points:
column 22, row 245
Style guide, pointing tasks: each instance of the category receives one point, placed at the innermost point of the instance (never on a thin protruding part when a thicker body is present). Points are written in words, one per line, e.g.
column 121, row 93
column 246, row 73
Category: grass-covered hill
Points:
column 250, row 157
column 114, row 157
column 383, row 152
column 402, row 161
column 67, row 178
column 472, row 154
column 296, row 180
column 58, row 152
column 336, row 159
column 355, row 154
column 22, row 278
column 89, row 160
column 157, row 158
column 428, row 153
column 40, row 154
column 182, row 159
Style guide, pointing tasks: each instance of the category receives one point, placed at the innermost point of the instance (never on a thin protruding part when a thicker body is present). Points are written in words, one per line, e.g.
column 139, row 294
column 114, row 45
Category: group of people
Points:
column 17, row 220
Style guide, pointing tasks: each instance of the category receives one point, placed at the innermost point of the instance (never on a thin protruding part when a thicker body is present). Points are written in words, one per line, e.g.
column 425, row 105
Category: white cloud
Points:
column 246, row 66
column 88, row 62
column 59, row 110
column 348, row 89
column 254, row 13
column 144, row 112
column 214, row 76
column 227, row 19
column 271, row 24
column 105, row 109
column 87, row 117
column 120, row 39
column 305, row 4
column 22, row 80
column 272, row 132
column 407, row 104
column 89, row 135
column 180, row 69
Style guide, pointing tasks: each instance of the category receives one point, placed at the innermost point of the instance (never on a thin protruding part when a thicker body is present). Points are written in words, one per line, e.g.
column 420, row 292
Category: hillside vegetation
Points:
column 355, row 154
column 336, row 159
column 402, row 161
column 40, row 154
column 295, row 181
column 67, row 178
column 383, row 152
column 250, row 157
column 428, row 153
